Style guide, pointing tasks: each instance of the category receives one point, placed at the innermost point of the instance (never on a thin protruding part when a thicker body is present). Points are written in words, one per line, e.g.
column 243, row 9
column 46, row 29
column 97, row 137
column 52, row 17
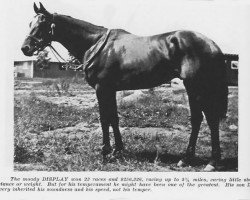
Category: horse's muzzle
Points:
column 26, row 50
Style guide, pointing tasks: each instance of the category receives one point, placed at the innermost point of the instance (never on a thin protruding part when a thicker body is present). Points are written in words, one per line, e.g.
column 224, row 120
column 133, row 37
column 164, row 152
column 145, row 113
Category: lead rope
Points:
column 67, row 65
column 54, row 51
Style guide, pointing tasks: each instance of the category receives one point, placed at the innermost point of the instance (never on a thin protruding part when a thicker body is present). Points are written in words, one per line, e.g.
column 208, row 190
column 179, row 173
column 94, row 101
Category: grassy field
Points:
column 57, row 129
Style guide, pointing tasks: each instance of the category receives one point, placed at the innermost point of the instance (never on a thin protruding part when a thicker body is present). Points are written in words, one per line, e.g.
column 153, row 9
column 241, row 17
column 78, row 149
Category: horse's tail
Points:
column 220, row 86
column 223, row 102
column 223, row 92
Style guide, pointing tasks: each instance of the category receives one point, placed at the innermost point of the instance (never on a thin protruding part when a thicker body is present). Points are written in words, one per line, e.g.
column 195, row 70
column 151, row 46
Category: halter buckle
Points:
column 52, row 28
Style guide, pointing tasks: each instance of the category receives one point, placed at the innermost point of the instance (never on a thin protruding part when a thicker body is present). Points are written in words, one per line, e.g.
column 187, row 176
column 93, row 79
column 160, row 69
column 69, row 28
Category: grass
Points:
column 35, row 115
column 232, row 112
column 152, row 111
column 32, row 115
column 49, row 134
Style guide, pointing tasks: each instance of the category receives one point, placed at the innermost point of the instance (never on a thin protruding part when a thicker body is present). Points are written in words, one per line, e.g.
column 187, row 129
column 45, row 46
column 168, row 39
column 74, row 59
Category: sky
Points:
column 222, row 22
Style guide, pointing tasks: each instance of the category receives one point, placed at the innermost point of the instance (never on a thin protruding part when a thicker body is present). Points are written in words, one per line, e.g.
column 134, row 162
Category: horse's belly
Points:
column 144, row 77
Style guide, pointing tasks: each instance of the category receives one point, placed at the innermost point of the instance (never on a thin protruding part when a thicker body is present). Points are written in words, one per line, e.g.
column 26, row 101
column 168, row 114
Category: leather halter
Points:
column 41, row 44
column 89, row 56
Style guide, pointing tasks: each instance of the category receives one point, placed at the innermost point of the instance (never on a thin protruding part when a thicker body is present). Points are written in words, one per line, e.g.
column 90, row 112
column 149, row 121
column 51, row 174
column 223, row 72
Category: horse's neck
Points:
column 75, row 35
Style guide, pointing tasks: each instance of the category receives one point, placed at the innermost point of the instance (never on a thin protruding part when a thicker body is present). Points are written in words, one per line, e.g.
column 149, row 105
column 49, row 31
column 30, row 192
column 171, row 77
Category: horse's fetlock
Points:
column 106, row 150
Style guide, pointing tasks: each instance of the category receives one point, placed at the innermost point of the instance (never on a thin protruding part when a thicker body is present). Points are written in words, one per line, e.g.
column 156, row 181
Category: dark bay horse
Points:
column 117, row 60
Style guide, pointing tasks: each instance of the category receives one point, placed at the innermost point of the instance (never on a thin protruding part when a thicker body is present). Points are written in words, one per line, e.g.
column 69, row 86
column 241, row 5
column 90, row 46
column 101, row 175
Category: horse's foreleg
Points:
column 117, row 134
column 103, row 102
column 114, row 120
column 108, row 116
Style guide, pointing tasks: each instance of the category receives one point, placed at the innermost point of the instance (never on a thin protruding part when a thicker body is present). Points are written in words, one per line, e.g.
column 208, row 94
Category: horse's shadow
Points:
column 226, row 164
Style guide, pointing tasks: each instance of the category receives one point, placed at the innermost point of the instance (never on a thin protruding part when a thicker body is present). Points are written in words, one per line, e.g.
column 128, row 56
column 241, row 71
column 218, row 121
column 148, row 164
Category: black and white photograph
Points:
column 156, row 90
column 159, row 89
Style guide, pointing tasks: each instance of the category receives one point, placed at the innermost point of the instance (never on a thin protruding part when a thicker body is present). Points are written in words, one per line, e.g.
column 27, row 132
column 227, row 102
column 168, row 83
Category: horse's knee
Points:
column 114, row 120
column 196, row 117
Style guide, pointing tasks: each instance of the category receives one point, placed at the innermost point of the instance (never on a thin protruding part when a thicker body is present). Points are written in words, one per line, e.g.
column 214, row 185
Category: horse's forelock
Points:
column 35, row 20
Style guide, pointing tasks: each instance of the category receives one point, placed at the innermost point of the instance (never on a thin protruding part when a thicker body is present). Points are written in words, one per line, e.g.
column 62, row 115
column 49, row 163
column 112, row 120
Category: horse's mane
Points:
column 81, row 23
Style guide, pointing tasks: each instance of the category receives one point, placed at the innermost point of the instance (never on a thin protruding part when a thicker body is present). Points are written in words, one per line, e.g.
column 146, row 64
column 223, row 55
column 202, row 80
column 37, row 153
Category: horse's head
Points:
column 41, row 31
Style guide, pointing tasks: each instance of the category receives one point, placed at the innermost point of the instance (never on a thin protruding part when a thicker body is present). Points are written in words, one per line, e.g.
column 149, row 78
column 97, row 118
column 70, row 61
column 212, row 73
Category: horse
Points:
column 115, row 60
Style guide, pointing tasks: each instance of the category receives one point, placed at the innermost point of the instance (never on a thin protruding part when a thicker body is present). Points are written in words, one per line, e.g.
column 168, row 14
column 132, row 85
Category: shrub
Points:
column 47, row 83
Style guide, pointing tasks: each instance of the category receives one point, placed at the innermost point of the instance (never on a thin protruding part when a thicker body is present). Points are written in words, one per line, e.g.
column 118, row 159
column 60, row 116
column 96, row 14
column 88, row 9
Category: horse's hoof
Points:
column 181, row 163
column 104, row 160
column 184, row 163
column 209, row 168
column 117, row 153
column 118, row 150
column 119, row 147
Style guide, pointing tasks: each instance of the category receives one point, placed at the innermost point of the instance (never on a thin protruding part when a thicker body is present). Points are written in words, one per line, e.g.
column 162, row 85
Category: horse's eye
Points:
column 42, row 19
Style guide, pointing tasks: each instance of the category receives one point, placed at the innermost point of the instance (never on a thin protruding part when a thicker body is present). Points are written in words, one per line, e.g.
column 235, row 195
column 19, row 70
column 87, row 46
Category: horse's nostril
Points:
column 25, row 49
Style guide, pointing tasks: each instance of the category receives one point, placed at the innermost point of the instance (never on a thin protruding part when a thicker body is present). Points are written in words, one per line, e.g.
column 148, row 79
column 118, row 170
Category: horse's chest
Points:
column 90, row 74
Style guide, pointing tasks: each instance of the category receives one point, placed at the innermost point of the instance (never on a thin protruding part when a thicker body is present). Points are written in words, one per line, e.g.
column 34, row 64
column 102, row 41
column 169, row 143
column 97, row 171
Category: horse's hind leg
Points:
column 213, row 123
column 196, row 119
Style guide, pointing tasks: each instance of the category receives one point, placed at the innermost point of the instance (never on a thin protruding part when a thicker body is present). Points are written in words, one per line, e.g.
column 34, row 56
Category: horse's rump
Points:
column 201, row 64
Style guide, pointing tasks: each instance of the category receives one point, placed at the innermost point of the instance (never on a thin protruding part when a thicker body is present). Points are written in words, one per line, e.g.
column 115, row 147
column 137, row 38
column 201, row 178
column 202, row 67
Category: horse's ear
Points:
column 36, row 8
column 42, row 10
